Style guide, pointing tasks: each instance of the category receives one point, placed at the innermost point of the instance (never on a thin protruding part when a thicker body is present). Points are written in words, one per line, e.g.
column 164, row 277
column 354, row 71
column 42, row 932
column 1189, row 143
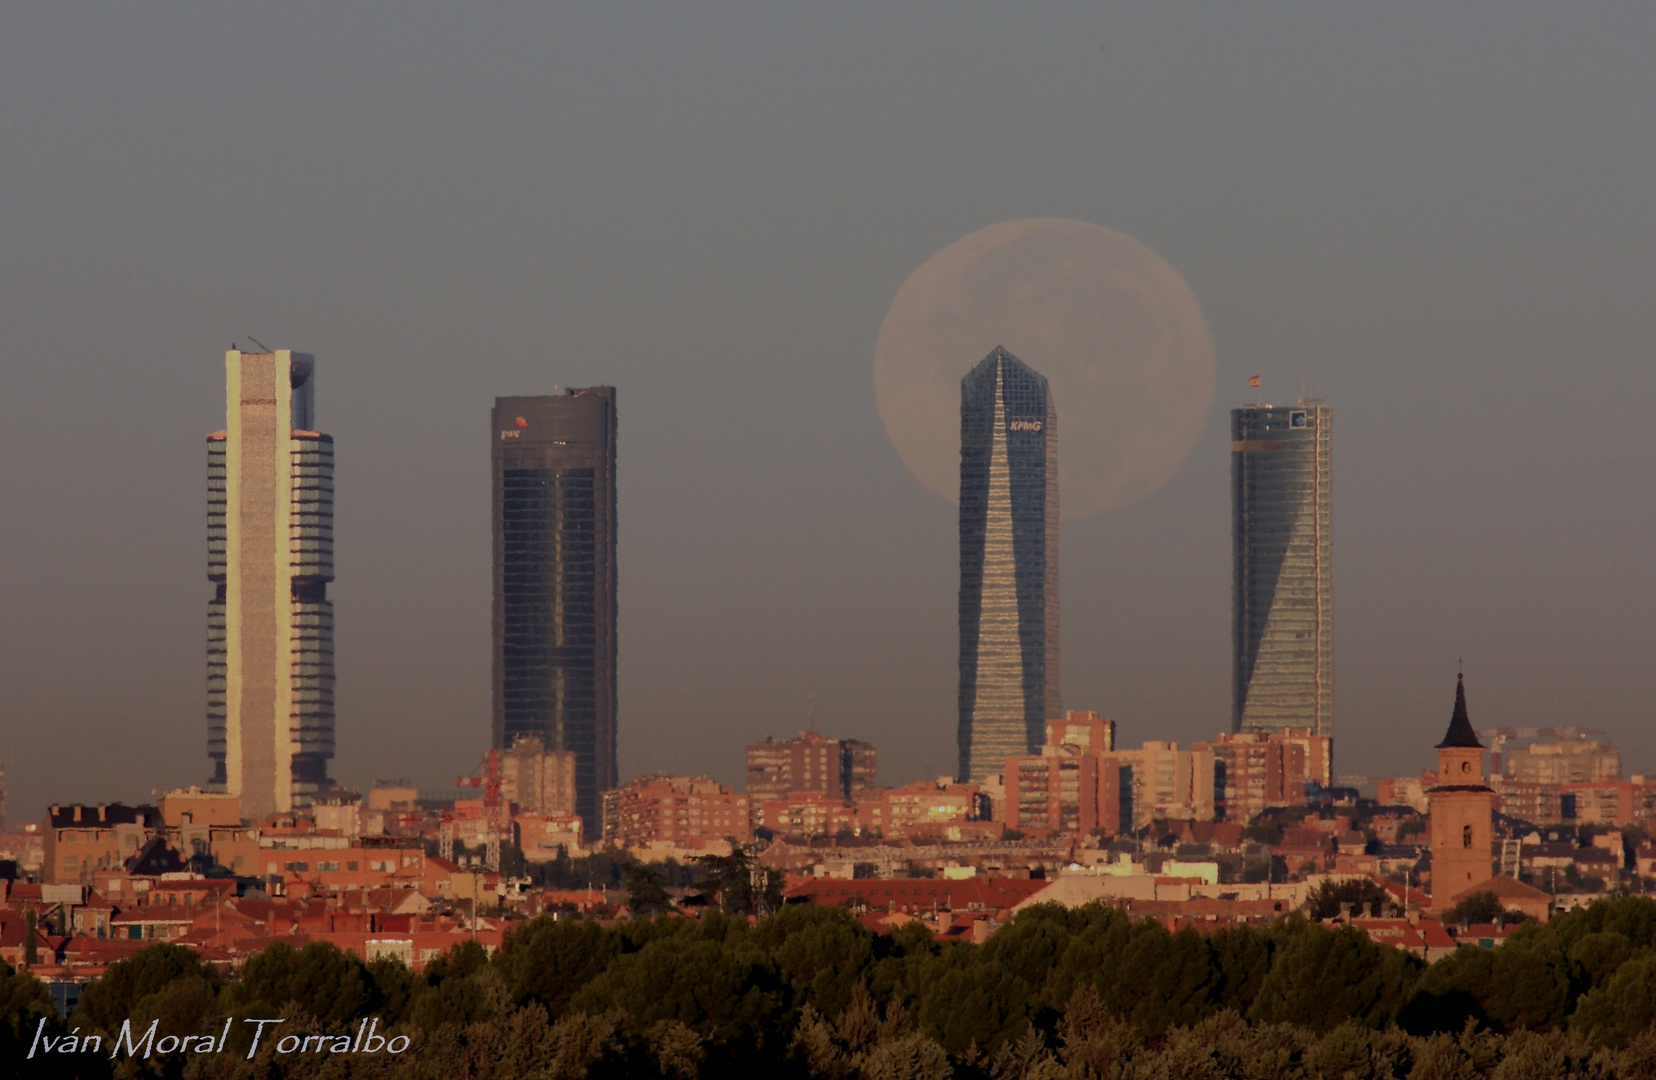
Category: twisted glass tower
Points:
column 270, row 674
column 554, row 582
column 1283, row 585
column 1008, row 563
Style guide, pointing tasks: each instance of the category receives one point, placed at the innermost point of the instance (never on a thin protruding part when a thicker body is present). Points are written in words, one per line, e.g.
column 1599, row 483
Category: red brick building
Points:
column 681, row 811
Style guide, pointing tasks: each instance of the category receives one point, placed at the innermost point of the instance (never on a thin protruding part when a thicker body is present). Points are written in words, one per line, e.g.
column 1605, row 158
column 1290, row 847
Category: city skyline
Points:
column 1439, row 221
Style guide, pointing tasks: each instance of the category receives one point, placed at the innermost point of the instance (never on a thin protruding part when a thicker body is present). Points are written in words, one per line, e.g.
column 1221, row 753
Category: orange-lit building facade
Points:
column 680, row 811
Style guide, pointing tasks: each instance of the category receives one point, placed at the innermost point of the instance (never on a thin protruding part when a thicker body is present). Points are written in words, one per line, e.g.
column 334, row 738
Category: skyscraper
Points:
column 1282, row 600
column 554, row 581
column 270, row 675
column 1008, row 563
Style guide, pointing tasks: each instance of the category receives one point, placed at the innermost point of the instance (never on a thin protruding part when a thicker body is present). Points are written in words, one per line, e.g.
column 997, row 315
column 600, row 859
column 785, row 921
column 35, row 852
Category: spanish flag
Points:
column 1253, row 380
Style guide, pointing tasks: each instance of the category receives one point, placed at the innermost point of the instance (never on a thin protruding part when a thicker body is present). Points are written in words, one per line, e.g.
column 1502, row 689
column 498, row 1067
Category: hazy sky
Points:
column 1438, row 217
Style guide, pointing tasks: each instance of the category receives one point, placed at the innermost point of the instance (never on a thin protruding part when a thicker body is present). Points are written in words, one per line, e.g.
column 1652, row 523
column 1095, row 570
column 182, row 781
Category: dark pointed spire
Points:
column 1460, row 731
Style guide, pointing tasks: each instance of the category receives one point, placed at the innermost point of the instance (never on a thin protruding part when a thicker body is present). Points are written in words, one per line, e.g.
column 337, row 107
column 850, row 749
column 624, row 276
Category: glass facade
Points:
column 1009, row 685
column 1283, row 584
column 555, row 600
column 218, row 658
column 310, row 558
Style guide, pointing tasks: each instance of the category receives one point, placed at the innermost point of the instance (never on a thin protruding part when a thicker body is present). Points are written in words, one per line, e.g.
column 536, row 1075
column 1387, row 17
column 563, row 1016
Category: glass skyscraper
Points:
column 1283, row 587
column 1008, row 563
column 270, row 673
column 554, row 582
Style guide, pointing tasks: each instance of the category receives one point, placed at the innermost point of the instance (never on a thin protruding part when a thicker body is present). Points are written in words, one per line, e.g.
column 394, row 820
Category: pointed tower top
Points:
column 1460, row 733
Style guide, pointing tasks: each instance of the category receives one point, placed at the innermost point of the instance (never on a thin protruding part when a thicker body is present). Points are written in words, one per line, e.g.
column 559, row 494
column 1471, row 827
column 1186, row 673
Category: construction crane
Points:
column 445, row 835
column 1498, row 738
column 494, row 817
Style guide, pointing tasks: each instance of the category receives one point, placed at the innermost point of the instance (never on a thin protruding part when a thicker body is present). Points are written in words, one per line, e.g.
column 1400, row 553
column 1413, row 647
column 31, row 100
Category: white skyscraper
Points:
column 270, row 677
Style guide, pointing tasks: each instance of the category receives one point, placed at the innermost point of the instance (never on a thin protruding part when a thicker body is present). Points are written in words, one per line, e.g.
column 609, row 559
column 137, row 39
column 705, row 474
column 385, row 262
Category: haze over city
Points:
column 1438, row 221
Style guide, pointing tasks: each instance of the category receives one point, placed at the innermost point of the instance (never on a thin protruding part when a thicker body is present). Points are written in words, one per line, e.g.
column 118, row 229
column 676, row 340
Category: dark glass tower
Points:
column 554, row 581
column 1283, row 586
column 1008, row 563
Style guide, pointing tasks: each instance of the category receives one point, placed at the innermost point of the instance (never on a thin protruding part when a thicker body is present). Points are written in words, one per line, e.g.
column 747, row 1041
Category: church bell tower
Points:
column 1462, row 810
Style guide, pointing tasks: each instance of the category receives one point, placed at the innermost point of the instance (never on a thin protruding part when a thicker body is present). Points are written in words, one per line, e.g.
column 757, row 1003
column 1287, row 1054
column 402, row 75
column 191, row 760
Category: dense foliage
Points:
column 811, row 993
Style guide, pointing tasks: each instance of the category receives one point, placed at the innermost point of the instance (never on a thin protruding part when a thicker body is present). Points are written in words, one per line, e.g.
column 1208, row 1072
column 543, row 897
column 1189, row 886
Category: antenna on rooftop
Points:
column 259, row 343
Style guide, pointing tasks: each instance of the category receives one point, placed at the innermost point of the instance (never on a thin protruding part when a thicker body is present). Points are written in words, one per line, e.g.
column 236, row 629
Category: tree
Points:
column 732, row 878
column 729, row 993
column 1451, row 993
column 549, row 961
column 1164, row 980
column 394, row 987
column 24, row 1002
column 1031, row 946
column 1484, row 907
column 1531, row 985
column 647, row 892
column 1092, row 956
column 822, row 952
column 1241, row 960
column 319, row 980
column 1625, row 1006
column 458, row 988
column 1595, row 958
column 130, row 984
column 1320, row 978
column 968, row 1003
column 1331, row 899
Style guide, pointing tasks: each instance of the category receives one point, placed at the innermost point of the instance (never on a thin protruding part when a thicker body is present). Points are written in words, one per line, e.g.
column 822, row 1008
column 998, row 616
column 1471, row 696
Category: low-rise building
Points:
column 1425, row 938
column 193, row 806
column 1159, row 781
column 680, row 811
column 1562, row 761
column 808, row 813
column 1407, row 791
column 1052, row 793
column 809, row 763
column 1255, row 771
column 541, row 836
column 538, row 780
column 1536, row 803
column 81, row 839
column 1056, row 792
column 1609, row 801
column 943, row 808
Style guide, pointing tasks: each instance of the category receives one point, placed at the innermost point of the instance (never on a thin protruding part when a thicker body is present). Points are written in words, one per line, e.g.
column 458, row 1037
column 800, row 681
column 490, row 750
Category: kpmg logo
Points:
column 1024, row 425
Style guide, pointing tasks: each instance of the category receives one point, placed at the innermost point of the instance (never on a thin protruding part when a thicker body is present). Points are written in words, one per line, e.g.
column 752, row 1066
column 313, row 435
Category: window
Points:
column 1466, row 836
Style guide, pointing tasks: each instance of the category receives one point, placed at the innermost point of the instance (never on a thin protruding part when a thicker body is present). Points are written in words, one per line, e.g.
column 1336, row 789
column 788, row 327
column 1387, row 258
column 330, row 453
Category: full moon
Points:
column 1114, row 328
